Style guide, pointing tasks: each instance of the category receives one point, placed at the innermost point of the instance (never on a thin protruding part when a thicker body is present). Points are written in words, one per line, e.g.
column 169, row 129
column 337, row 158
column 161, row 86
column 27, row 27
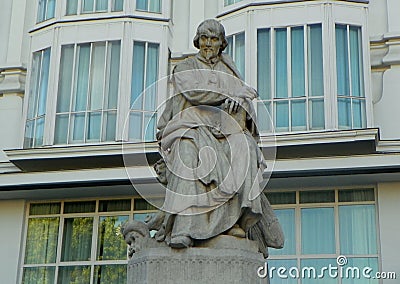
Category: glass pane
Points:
column 263, row 64
column 141, row 204
column 357, row 86
column 118, row 5
column 282, row 116
column 353, row 271
column 359, row 117
column 65, row 79
column 316, row 112
column 94, row 126
column 28, row 139
column 143, row 216
column 275, row 265
column 317, row 196
column 281, row 197
column 78, row 126
column 317, row 271
column 114, row 205
column 42, row 275
column 110, row 242
column 286, row 218
column 151, row 77
column 137, row 75
column 87, row 5
column 357, row 229
column 150, row 126
column 105, row 274
column 41, row 240
column 356, row 195
column 101, row 5
column 315, row 65
column 317, row 230
column 110, row 118
column 141, row 5
column 298, row 64
column 299, row 121
column 44, row 208
column 264, row 121
column 79, row 207
column 344, row 113
column 72, row 7
column 74, row 274
column 61, row 129
column 240, row 55
column 41, row 10
column 44, row 80
column 135, row 126
column 51, row 4
column 77, row 239
column 97, row 74
column 34, row 89
column 114, row 74
column 281, row 63
column 82, row 77
column 229, row 48
column 342, row 71
column 39, row 132
column 155, row 6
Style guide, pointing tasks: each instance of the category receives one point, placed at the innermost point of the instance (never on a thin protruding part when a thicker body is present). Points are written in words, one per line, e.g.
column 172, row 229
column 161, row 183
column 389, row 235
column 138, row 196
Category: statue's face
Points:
column 209, row 43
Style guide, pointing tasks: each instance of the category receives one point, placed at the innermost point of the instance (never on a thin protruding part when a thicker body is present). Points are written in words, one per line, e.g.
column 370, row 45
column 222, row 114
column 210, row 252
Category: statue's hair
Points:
column 211, row 25
column 135, row 226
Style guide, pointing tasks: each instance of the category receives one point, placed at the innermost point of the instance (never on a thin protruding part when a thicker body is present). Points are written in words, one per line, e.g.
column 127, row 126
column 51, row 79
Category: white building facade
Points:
column 82, row 82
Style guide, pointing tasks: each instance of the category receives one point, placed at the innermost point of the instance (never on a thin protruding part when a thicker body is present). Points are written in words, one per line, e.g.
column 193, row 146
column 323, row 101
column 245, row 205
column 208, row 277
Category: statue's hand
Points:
column 232, row 104
column 246, row 92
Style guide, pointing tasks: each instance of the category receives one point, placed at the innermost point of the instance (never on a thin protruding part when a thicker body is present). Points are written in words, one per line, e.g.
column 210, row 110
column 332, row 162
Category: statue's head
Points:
column 135, row 234
column 210, row 38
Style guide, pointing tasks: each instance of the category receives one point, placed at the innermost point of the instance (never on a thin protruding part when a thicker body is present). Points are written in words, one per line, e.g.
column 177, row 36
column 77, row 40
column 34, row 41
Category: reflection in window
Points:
column 350, row 82
column 87, row 93
column 142, row 118
column 75, row 7
column 149, row 5
column 34, row 128
column 236, row 49
column 230, row 2
column 110, row 244
column 45, row 10
column 290, row 78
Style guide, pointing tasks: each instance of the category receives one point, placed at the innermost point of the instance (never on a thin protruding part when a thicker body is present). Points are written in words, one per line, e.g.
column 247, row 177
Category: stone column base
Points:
column 224, row 259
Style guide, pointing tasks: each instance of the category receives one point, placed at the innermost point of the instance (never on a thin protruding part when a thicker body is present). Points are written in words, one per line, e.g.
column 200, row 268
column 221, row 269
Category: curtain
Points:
column 105, row 274
column 82, row 77
column 51, row 4
column 137, row 75
column 297, row 62
column 77, row 239
column 74, row 275
column 155, row 6
column 115, row 50
column 72, row 7
column 34, row 275
column 286, row 218
column 316, row 112
column 282, row 115
column 41, row 11
column 65, row 78
column 342, row 71
column 263, row 64
column 281, row 78
column 142, row 5
column 118, row 5
column 44, row 80
column 315, row 58
column 61, row 129
column 135, row 125
column 275, row 264
column 299, row 114
column 344, row 113
column 312, row 268
column 356, row 62
column 97, row 79
column 151, row 77
column 357, row 229
column 240, row 55
column 114, row 205
column 361, row 263
column 317, row 231
column 87, row 5
column 102, row 5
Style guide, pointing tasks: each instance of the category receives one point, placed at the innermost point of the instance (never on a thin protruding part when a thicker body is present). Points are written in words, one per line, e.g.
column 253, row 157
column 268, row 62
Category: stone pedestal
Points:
column 224, row 259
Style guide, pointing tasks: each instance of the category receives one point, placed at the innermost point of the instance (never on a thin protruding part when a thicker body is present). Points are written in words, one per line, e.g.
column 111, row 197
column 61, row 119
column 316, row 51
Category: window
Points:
column 290, row 78
column 142, row 118
column 74, row 241
column 87, row 93
column 236, row 49
column 321, row 225
column 149, row 5
column 34, row 129
column 45, row 10
column 75, row 7
column 350, row 83
column 230, row 2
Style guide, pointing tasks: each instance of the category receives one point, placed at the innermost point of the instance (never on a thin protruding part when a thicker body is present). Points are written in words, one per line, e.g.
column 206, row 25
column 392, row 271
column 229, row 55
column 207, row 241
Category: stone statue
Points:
column 211, row 166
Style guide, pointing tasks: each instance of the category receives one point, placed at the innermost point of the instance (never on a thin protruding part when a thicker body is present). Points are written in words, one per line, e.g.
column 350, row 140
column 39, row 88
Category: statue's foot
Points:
column 181, row 242
column 236, row 231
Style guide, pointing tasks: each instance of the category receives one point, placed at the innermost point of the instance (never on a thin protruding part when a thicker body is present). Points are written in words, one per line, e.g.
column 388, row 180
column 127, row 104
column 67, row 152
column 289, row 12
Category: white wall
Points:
column 11, row 224
column 389, row 212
